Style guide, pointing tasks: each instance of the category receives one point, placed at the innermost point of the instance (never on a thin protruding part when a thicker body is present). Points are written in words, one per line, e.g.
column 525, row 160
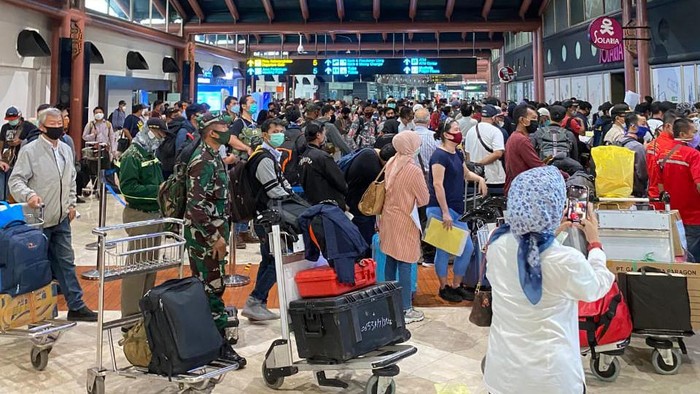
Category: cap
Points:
column 569, row 103
column 311, row 107
column 619, row 109
column 544, row 112
column 490, row 111
column 207, row 119
column 557, row 113
column 157, row 123
column 605, row 107
column 12, row 113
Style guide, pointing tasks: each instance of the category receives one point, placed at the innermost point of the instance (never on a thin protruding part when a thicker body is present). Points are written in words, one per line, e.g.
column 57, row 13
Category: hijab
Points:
column 535, row 204
column 406, row 144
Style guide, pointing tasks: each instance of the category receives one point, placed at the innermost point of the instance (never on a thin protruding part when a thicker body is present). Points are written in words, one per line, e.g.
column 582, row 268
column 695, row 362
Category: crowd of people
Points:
column 330, row 151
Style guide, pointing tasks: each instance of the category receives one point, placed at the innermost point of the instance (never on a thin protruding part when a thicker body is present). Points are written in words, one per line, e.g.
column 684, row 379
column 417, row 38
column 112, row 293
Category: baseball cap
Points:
column 619, row 109
column 605, row 107
column 490, row 111
column 12, row 113
column 312, row 107
column 557, row 113
column 544, row 112
column 157, row 123
column 569, row 103
column 207, row 119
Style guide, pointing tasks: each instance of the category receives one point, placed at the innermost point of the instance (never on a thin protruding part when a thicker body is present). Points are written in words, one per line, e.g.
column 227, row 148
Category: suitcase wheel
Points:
column 39, row 358
column 98, row 386
column 372, row 386
column 606, row 375
column 660, row 365
column 271, row 381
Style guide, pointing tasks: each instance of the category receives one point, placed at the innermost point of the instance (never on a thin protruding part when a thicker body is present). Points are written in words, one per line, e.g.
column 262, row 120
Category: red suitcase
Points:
column 323, row 281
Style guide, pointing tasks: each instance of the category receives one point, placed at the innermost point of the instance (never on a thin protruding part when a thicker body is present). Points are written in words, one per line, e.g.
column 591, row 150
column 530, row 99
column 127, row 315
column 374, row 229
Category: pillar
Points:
column 538, row 64
column 192, row 93
column 630, row 77
column 55, row 61
column 180, row 58
column 77, row 79
column 643, row 49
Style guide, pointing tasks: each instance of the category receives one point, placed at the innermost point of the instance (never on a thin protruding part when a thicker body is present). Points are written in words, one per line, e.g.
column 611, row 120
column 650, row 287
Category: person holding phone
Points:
column 446, row 182
column 537, row 284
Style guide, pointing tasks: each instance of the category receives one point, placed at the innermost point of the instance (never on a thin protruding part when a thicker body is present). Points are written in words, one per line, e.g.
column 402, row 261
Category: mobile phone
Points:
column 577, row 203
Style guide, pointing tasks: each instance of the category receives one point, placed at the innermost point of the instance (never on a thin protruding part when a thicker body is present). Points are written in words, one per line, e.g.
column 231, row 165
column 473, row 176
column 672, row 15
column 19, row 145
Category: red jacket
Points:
column 680, row 177
column 656, row 151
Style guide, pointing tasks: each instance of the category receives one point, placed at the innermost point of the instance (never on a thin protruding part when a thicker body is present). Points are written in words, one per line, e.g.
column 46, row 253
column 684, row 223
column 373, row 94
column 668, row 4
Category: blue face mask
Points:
column 253, row 108
column 642, row 131
column 236, row 109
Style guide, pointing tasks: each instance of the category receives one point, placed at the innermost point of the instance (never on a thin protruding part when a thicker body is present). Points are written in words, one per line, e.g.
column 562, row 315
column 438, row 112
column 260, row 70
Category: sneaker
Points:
column 428, row 264
column 467, row 294
column 273, row 315
column 248, row 238
column 240, row 244
column 413, row 316
column 255, row 311
column 82, row 314
column 228, row 354
column 450, row 295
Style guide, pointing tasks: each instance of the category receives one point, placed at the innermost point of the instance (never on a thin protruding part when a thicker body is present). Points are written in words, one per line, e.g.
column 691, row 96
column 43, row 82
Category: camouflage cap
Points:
column 207, row 119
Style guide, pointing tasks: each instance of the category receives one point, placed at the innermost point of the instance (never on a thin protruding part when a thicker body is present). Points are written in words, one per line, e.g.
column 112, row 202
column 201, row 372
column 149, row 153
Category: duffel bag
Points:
column 179, row 326
column 604, row 321
column 24, row 263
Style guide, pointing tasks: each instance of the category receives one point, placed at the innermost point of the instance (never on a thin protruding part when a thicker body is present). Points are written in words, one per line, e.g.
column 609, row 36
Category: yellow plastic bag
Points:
column 614, row 168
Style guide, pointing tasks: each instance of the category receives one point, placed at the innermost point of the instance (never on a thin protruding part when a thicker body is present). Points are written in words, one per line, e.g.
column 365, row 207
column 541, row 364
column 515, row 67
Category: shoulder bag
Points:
column 482, row 313
column 372, row 200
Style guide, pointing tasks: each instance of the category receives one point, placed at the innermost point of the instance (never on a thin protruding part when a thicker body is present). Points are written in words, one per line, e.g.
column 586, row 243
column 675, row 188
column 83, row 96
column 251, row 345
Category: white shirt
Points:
column 539, row 344
column 493, row 138
column 404, row 127
column 60, row 162
column 427, row 147
column 465, row 124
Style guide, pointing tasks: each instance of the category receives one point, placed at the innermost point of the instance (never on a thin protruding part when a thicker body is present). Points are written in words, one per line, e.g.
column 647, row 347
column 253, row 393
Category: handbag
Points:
column 372, row 200
column 482, row 312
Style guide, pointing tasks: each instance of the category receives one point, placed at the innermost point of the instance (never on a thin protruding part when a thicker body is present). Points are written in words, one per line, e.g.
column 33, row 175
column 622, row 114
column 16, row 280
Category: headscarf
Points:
column 148, row 143
column 406, row 145
column 535, row 204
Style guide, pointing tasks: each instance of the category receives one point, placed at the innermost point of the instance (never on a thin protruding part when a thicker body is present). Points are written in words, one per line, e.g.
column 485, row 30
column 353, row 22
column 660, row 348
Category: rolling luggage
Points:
column 323, row 281
column 337, row 329
column 24, row 264
column 604, row 321
column 179, row 326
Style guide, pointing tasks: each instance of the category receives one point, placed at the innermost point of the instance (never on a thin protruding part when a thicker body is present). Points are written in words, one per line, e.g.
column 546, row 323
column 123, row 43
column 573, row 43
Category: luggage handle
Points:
column 313, row 328
column 366, row 275
column 646, row 269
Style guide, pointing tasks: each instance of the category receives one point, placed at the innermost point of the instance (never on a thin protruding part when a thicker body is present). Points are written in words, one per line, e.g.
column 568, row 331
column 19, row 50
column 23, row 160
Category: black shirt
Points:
column 321, row 177
column 362, row 171
column 9, row 133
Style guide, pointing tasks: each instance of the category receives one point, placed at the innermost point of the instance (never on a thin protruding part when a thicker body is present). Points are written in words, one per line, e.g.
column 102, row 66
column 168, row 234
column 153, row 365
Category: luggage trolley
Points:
column 43, row 334
column 157, row 251
column 279, row 361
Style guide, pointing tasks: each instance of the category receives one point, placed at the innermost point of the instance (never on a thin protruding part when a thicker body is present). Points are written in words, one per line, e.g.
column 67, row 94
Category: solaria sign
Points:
column 606, row 34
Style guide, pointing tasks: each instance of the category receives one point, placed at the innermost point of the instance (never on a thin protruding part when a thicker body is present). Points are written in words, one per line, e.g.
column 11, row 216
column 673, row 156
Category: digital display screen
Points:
column 361, row 66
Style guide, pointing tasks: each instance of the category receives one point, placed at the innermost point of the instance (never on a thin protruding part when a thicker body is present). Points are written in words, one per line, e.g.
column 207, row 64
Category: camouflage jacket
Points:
column 206, row 215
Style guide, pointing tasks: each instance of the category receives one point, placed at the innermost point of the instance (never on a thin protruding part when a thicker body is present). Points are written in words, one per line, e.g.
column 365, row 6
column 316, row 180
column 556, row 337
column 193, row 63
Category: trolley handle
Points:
column 40, row 211
column 102, row 231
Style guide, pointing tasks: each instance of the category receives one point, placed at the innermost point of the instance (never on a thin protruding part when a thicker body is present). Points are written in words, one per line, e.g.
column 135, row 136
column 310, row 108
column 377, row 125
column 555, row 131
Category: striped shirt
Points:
column 428, row 145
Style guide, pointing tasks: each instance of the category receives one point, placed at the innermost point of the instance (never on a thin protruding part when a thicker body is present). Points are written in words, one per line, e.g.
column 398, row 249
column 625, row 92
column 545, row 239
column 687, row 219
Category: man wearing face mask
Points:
column 321, row 177
column 100, row 131
column 118, row 116
column 617, row 130
column 636, row 126
column 11, row 135
column 484, row 144
column 680, row 177
column 133, row 123
column 327, row 120
column 520, row 154
column 363, row 131
column 45, row 174
column 244, row 128
column 140, row 176
column 232, row 109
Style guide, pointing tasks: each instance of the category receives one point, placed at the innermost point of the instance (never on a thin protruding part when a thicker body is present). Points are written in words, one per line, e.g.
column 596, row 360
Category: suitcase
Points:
column 24, row 263
column 179, row 326
column 323, row 281
column 337, row 329
column 380, row 258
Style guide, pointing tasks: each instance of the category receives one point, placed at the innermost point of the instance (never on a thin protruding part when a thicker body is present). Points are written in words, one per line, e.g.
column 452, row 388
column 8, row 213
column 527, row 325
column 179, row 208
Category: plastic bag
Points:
column 614, row 171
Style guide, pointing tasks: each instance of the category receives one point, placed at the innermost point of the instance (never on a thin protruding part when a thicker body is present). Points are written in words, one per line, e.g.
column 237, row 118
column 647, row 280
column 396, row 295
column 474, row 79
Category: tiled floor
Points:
column 448, row 359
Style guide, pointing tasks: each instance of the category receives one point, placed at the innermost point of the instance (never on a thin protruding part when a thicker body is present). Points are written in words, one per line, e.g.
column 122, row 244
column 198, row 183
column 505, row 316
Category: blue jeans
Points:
column 692, row 236
column 461, row 263
column 267, row 276
column 242, row 228
column 404, row 271
column 63, row 263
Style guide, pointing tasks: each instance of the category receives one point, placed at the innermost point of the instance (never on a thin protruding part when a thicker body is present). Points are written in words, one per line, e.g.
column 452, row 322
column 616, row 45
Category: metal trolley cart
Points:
column 119, row 257
column 279, row 361
column 45, row 333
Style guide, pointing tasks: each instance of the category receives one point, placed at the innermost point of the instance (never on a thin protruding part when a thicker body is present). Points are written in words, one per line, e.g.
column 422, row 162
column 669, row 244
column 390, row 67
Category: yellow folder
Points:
column 451, row 241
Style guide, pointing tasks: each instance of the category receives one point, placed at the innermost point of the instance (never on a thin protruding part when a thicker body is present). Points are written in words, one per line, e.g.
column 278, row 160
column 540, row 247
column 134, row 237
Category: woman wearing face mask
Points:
column 399, row 232
column 321, row 177
column 448, row 173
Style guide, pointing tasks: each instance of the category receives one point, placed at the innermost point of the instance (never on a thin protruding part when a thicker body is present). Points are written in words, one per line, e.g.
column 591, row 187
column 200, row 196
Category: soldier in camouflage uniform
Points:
column 207, row 218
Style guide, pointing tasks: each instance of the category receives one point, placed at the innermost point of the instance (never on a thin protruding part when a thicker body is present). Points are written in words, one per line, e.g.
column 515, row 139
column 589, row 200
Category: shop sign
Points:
column 605, row 33
column 506, row 74
column 614, row 55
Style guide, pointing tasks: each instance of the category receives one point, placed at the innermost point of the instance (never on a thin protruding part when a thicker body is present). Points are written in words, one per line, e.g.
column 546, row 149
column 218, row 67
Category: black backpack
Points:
column 244, row 188
column 172, row 194
column 293, row 147
column 166, row 152
column 181, row 332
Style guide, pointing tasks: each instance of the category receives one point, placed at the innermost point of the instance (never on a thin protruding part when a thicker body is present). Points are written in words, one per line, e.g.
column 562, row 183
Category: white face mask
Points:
column 99, row 116
column 144, row 112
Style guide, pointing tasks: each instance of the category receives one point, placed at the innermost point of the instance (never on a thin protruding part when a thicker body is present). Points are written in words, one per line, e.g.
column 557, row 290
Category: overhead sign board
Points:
column 506, row 74
column 361, row 66
column 605, row 33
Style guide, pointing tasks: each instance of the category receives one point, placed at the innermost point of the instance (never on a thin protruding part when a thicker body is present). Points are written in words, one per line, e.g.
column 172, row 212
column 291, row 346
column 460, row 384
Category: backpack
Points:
column 605, row 321
column 553, row 140
column 24, row 263
column 293, row 147
column 244, row 189
column 167, row 153
column 346, row 161
column 582, row 178
column 172, row 194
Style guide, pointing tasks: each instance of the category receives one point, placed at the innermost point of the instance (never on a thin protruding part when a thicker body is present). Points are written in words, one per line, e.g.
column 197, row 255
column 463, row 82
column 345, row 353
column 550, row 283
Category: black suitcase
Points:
column 336, row 329
column 179, row 326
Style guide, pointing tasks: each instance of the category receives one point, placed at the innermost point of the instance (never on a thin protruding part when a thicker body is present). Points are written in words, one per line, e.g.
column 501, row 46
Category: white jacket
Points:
column 36, row 172
column 538, row 345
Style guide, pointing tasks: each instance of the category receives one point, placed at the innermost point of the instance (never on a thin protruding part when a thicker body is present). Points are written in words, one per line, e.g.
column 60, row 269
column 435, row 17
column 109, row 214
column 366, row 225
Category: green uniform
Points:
column 207, row 220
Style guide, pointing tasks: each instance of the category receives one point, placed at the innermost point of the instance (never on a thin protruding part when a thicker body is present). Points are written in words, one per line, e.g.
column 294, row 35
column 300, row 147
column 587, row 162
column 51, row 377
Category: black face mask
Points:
column 532, row 127
column 54, row 132
column 333, row 119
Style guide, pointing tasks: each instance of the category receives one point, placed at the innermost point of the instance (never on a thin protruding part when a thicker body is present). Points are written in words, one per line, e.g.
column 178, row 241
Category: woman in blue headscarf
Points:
column 537, row 284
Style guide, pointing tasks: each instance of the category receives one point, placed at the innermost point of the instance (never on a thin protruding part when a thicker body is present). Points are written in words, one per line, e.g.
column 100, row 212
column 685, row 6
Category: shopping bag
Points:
column 452, row 241
column 614, row 167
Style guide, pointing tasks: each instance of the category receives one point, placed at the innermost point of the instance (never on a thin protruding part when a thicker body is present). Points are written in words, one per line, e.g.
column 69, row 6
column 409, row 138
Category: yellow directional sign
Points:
column 315, row 62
